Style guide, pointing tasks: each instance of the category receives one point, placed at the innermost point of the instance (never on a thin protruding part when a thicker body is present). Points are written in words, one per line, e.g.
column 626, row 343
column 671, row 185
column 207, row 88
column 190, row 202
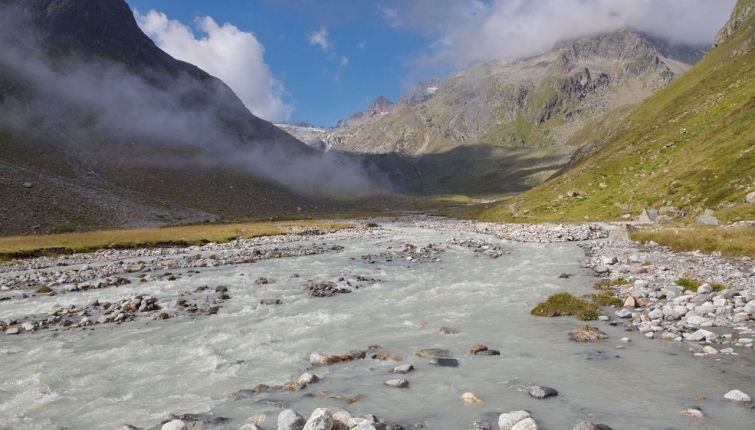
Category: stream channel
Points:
column 142, row 371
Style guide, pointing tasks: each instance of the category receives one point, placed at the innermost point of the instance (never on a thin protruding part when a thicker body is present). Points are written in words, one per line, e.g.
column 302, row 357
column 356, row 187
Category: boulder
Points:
column 623, row 313
column 525, row 424
column 321, row 419
column 319, row 360
column 477, row 348
column 737, row 396
column 586, row 425
column 482, row 425
column 655, row 314
column 307, row 379
column 542, row 392
column 471, row 398
column 588, row 334
column 621, row 233
column 704, row 289
column 290, row 420
column 398, row 383
column 434, row 353
column 509, row 420
column 403, row 369
column 693, row 412
column 174, row 425
column 750, row 198
column 708, row 220
column 250, row 427
column 445, row 362
column 341, row 420
column 648, row 216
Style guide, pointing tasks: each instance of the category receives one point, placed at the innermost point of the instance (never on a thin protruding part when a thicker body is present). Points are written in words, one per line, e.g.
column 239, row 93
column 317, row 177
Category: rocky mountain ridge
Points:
column 378, row 108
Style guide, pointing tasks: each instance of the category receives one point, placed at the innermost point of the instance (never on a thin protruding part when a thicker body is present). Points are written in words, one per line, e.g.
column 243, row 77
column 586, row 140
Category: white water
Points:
column 140, row 372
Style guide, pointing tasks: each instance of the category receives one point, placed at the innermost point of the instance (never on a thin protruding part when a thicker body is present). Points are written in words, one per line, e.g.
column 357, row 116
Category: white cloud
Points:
column 469, row 30
column 234, row 56
column 344, row 61
column 320, row 37
column 362, row 44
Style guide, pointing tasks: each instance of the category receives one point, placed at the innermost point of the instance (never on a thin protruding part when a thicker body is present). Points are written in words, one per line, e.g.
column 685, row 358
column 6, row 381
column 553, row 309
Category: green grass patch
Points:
column 43, row 290
column 565, row 304
column 605, row 284
column 607, row 299
column 690, row 284
column 731, row 242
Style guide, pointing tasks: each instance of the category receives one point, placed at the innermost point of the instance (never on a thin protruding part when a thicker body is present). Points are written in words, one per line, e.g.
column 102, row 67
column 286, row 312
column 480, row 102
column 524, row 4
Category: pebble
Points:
column 542, row 392
column 737, row 396
column 509, row 420
column 398, row 383
column 403, row 369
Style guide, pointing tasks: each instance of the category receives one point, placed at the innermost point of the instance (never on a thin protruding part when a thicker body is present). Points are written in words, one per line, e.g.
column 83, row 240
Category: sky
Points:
column 319, row 61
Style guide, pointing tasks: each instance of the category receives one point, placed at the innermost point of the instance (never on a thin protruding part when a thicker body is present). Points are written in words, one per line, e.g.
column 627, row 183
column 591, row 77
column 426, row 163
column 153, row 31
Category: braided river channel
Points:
column 141, row 372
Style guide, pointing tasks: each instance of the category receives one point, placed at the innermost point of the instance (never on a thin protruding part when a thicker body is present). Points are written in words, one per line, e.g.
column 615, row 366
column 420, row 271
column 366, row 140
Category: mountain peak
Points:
column 379, row 107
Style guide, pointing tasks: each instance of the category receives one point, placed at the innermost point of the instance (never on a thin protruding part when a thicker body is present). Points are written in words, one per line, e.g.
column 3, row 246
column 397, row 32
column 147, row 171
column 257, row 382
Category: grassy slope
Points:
column 709, row 115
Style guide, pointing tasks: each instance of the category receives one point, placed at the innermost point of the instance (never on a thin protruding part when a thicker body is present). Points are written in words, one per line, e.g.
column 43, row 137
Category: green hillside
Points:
column 690, row 146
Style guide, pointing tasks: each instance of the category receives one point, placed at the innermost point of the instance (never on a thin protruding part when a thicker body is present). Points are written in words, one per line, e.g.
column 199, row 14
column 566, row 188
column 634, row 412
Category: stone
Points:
column 434, row 353
column 704, row 289
column 398, row 383
column 702, row 335
column 630, row 302
column 477, row 348
column 693, row 412
column 447, row 330
column 307, row 379
column 681, row 310
column 403, row 369
column 321, row 419
column 710, row 350
column 341, row 420
column 648, row 216
column 471, row 398
column 623, row 313
column 482, row 425
column 698, row 321
column 250, row 427
column 609, row 261
column 542, row 392
column 13, row 330
column 257, row 419
column 509, row 420
column 602, row 269
column 708, row 220
column 125, row 427
column 489, row 352
column 525, row 424
column 621, row 233
column 174, row 425
column 364, row 426
column 290, row 420
column 586, row 425
column 737, row 396
column 445, row 362
column 650, row 335
column 655, row 314
column 749, row 308
column 750, row 198
column 640, row 284
column 588, row 334
column 668, row 336
column 319, row 360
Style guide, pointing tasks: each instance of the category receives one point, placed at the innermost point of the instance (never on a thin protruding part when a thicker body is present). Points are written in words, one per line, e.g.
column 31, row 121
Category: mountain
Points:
column 687, row 149
column 379, row 107
column 99, row 128
column 505, row 126
column 421, row 92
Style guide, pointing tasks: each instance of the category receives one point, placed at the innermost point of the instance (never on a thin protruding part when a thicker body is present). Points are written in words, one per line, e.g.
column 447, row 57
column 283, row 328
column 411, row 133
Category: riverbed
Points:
column 399, row 299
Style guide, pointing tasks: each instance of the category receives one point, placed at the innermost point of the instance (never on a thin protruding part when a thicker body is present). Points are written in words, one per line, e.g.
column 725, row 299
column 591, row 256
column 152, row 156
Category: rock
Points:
column 364, row 426
column 398, row 383
column 434, row 353
column 509, row 420
column 482, row 425
column 445, row 362
column 693, row 412
column 648, row 216
column 525, row 424
column 704, row 289
column 542, row 392
column 403, row 369
column 708, row 220
column 668, row 336
column 702, row 335
column 250, row 427
column 602, row 269
column 307, row 379
column 28, row 184
column 257, row 419
column 447, row 330
column 630, row 302
column 650, row 335
column 319, row 360
column 750, row 198
column 477, row 348
column 125, row 427
column 698, row 321
column 710, row 350
column 13, row 330
column 655, row 314
column 290, row 420
column 623, row 313
column 588, row 334
column 586, row 425
column 750, row 308
column 737, row 396
column 621, row 233
column 489, row 352
column 609, row 261
column 640, row 284
column 174, row 425
column 341, row 420
column 271, row 302
column 321, row 419
column 471, row 398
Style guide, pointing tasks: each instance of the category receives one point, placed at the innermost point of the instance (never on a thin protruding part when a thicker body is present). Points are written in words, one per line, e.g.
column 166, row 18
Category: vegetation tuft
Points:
column 565, row 304
column 731, row 242
column 43, row 290
column 605, row 284
column 607, row 299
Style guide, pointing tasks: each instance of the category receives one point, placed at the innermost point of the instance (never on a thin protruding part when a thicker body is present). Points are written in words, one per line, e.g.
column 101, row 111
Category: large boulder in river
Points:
column 737, row 396
column 525, row 424
column 175, row 425
column 289, row 419
column 509, row 420
column 321, row 419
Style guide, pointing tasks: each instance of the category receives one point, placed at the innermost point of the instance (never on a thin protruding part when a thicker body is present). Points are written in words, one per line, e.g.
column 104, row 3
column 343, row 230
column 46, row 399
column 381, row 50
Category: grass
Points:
column 35, row 246
column 690, row 143
column 605, row 284
column 565, row 304
column 693, row 284
column 731, row 242
column 607, row 299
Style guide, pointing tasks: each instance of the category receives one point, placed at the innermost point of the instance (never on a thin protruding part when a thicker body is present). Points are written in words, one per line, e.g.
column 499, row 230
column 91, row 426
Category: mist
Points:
column 82, row 103
column 464, row 31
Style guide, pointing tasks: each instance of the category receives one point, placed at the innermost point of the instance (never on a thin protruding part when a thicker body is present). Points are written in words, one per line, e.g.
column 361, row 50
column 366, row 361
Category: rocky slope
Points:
column 421, row 92
column 684, row 151
column 553, row 103
column 378, row 108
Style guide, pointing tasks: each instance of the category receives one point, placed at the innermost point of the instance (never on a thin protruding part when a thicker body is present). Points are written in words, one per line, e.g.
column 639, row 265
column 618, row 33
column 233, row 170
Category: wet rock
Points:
column 270, row 302
column 509, row 420
column 542, row 392
column 434, row 353
column 447, row 330
column 321, row 419
column 563, row 276
column 623, row 313
column 403, row 369
column 588, row 334
column 125, row 427
column 471, row 398
column 693, row 412
column 489, row 352
column 364, row 426
column 398, row 383
column 319, row 360
column 482, row 425
column 262, row 281
column 12, row 331
column 307, row 379
column 341, row 420
column 477, row 348
column 525, row 424
column 737, row 396
column 290, row 420
column 175, row 425
column 445, row 362
column 357, row 355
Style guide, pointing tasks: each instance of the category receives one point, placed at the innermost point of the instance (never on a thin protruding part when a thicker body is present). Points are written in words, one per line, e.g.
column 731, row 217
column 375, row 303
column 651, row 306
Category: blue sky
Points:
column 322, row 60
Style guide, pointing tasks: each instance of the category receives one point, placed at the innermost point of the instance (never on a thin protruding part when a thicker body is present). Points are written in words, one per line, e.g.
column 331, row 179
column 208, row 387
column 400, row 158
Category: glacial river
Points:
column 140, row 372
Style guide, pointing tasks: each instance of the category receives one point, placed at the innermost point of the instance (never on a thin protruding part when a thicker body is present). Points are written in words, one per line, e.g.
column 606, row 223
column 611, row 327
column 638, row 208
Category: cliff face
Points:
column 378, row 108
